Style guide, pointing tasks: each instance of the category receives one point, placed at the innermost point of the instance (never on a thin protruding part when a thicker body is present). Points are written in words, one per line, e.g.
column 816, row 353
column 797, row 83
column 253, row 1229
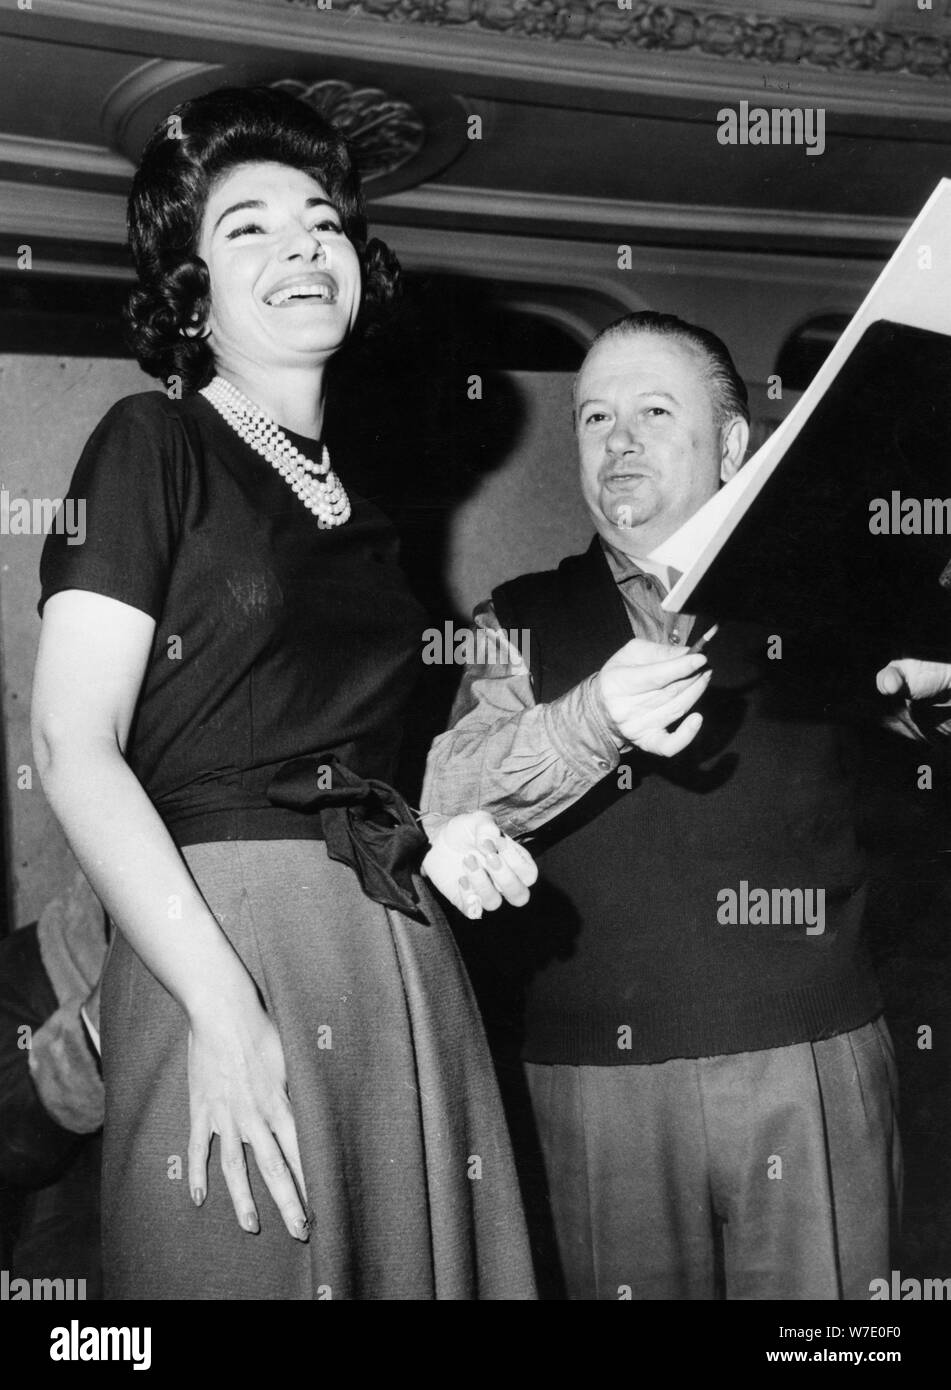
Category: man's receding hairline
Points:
column 618, row 332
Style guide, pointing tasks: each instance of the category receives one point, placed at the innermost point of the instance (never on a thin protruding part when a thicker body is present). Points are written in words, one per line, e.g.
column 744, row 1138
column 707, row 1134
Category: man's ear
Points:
column 736, row 437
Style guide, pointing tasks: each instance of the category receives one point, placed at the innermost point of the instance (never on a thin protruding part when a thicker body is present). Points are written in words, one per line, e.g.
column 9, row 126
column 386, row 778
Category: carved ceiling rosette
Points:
column 384, row 131
column 402, row 130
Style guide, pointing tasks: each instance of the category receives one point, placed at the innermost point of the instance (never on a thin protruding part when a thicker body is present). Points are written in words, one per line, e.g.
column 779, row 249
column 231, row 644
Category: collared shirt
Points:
column 522, row 761
column 526, row 763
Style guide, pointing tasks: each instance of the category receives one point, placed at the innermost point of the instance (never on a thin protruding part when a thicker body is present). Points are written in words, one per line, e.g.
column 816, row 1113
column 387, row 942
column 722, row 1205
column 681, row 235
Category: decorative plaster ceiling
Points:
column 598, row 122
column 887, row 39
column 401, row 135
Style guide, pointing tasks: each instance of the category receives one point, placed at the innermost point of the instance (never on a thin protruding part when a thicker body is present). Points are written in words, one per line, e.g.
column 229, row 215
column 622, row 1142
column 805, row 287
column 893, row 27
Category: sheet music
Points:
column 915, row 289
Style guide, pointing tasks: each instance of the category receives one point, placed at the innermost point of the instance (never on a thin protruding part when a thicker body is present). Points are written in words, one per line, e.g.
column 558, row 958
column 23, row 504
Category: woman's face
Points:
column 285, row 279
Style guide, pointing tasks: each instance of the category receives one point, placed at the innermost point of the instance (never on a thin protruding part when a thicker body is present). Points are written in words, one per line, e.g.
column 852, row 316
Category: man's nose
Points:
column 623, row 439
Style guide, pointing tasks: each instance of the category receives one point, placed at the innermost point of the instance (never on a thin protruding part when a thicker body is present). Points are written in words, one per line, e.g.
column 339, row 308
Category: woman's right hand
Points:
column 645, row 687
column 94, row 652
column 238, row 1090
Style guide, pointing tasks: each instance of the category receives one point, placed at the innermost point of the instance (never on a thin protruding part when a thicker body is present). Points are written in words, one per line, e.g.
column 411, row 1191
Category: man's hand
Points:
column 916, row 680
column 647, row 686
column 475, row 866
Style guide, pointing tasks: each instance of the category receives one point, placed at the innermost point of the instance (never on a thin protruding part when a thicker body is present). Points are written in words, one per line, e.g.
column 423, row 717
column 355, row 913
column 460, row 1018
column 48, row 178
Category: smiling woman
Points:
column 194, row 194
column 276, row 309
column 219, row 695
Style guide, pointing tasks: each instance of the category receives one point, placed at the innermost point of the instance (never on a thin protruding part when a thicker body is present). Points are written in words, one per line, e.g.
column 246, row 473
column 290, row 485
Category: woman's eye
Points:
column 657, row 410
column 595, row 417
column 243, row 231
column 328, row 225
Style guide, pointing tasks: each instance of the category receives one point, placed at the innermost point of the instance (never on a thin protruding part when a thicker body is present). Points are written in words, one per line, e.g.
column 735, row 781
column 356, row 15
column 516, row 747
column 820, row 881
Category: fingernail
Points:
column 198, row 1196
column 301, row 1229
column 465, row 883
column 471, row 862
column 250, row 1222
column 489, row 847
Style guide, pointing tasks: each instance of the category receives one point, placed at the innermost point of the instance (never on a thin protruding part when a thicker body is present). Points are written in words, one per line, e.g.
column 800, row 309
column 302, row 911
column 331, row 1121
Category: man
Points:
column 712, row 1083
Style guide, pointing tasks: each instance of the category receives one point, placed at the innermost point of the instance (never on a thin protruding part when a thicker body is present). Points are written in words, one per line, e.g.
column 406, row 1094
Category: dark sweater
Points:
column 623, row 958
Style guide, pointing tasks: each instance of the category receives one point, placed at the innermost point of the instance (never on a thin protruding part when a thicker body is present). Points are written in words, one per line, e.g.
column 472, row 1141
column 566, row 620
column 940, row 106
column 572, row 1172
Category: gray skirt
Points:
column 406, row 1157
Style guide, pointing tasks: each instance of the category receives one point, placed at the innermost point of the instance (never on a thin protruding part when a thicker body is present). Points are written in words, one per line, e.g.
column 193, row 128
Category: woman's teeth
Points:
column 323, row 292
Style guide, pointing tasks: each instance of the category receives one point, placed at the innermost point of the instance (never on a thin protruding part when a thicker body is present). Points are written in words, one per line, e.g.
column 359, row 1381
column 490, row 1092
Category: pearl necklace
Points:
column 317, row 486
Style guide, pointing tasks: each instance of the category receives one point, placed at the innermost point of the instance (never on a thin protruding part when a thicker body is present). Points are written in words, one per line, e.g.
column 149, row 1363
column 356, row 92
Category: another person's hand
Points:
column 91, row 1004
column 475, row 866
column 647, row 686
column 238, row 1090
column 916, row 680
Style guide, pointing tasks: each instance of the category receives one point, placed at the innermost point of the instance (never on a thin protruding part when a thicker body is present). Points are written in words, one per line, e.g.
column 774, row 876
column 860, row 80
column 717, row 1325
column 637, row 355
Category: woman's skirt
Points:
column 406, row 1158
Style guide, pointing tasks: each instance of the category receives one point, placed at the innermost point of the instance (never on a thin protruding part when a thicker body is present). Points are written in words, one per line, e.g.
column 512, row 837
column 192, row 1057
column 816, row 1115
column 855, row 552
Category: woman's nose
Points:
column 302, row 244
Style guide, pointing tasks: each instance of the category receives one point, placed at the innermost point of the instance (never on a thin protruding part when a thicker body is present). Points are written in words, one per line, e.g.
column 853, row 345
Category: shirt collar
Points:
column 625, row 567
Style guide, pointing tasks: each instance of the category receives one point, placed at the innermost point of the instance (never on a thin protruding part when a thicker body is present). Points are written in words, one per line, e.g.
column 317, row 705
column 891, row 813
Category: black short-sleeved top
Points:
column 273, row 640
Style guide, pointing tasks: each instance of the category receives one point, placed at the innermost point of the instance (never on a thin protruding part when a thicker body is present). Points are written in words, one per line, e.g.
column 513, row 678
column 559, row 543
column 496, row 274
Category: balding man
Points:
column 712, row 1082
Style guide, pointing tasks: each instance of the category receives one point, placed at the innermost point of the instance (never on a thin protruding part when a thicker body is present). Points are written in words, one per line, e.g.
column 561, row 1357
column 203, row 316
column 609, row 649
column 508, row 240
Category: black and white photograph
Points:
column 475, row 640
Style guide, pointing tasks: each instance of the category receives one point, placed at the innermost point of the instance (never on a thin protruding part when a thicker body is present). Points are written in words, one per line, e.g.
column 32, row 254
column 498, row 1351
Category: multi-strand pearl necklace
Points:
column 316, row 484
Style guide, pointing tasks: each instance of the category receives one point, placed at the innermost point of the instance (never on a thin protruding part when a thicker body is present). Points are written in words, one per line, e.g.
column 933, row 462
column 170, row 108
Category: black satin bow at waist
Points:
column 366, row 824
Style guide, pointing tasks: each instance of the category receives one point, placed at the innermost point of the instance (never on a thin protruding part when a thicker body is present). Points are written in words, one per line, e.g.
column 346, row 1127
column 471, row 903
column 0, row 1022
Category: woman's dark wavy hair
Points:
column 218, row 131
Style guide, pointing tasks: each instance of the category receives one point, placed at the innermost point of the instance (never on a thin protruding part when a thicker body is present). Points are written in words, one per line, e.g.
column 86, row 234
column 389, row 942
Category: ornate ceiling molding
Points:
column 400, row 136
column 30, row 211
column 526, row 260
column 607, row 59
column 75, row 158
column 634, row 219
column 646, row 25
column 83, row 215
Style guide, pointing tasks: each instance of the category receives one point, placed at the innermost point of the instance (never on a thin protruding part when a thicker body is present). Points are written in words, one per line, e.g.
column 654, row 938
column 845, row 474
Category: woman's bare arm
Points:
column 92, row 659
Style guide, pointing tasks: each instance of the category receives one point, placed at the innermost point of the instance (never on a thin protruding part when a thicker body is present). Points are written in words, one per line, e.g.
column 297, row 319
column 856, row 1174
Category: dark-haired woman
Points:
column 223, row 671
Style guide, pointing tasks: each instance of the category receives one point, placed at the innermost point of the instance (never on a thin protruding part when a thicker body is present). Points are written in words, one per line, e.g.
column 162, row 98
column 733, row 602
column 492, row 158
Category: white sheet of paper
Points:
column 914, row 289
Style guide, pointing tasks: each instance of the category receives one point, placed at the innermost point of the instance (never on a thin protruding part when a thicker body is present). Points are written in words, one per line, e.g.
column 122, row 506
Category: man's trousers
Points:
column 759, row 1175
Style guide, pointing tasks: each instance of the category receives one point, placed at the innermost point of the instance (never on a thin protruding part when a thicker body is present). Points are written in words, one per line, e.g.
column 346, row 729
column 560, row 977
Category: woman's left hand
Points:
column 475, row 866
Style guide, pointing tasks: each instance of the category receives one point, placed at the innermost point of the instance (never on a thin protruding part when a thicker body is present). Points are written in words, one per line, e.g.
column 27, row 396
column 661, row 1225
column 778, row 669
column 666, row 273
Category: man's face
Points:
column 649, row 446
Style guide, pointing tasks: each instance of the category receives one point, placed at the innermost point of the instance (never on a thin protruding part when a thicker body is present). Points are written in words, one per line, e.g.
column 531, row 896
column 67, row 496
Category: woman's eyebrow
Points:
column 239, row 207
